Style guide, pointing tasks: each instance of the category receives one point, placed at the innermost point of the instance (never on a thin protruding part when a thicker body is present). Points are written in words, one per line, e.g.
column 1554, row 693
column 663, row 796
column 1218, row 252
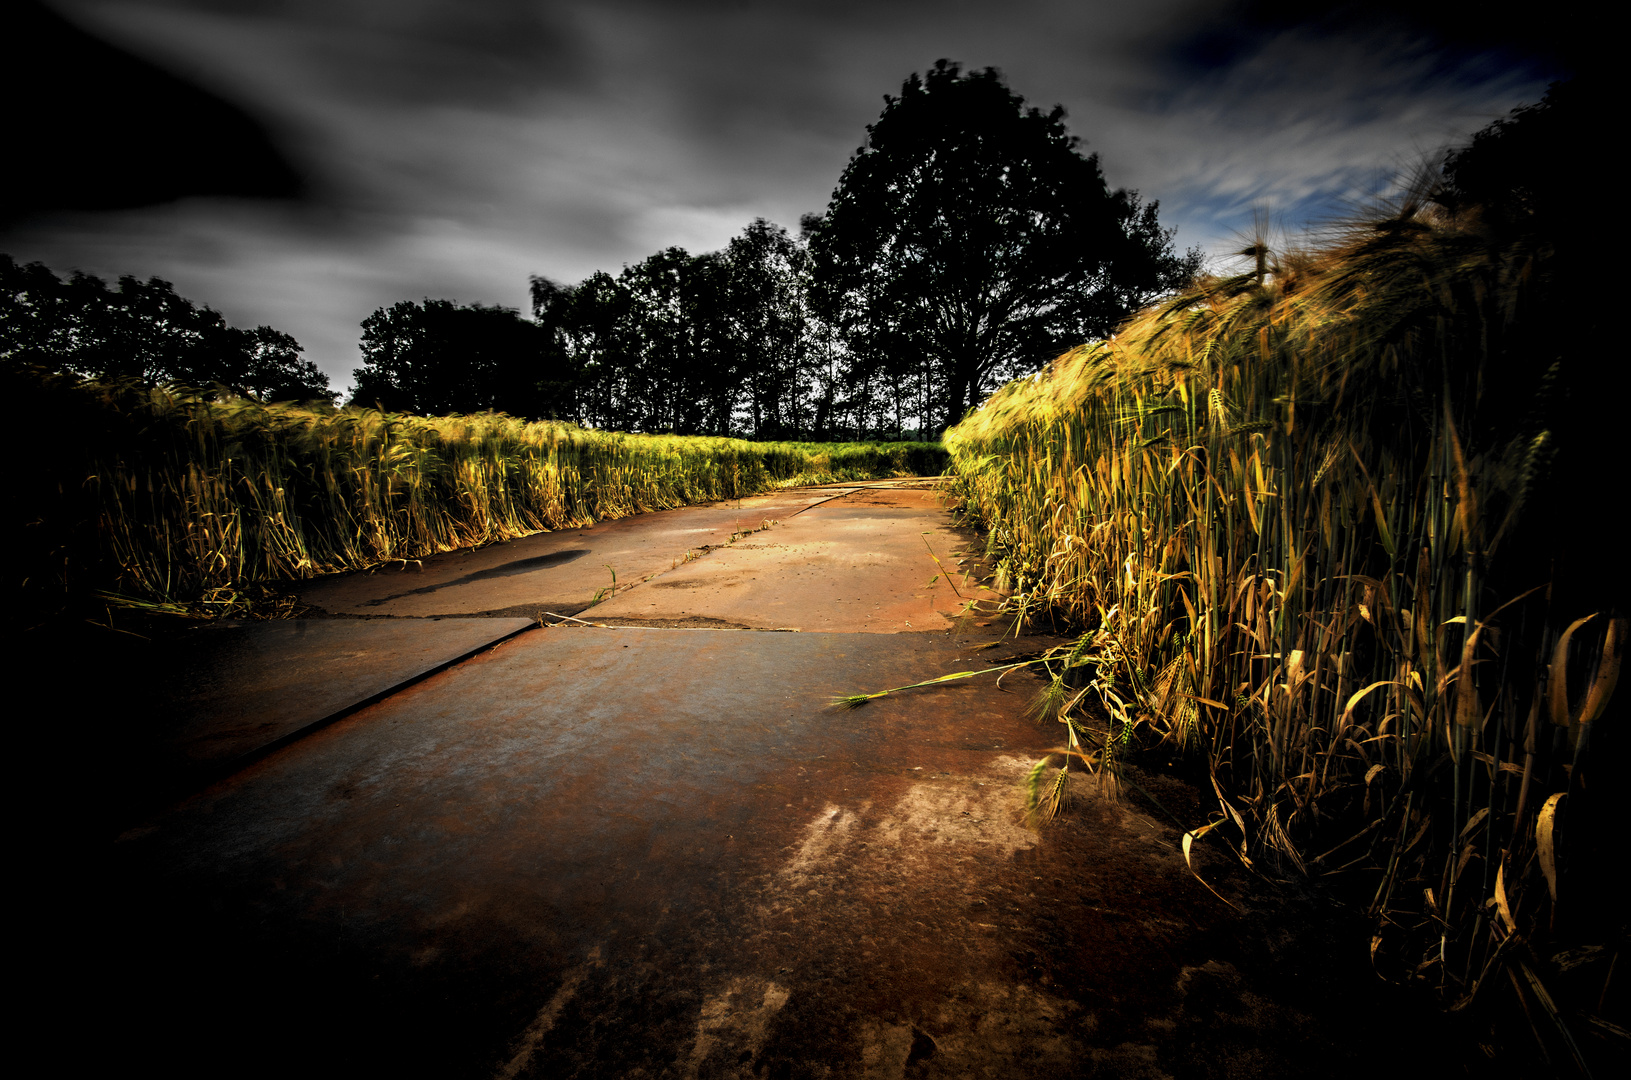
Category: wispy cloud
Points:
column 452, row 147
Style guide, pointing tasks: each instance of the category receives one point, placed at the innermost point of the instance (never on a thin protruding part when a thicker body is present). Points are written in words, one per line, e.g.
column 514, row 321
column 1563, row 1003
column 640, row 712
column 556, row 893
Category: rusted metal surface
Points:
column 610, row 853
column 559, row 571
column 861, row 563
column 234, row 690
column 592, row 853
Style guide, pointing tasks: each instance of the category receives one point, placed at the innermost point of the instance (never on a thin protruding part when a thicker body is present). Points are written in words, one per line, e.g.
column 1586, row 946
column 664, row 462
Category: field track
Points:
column 654, row 850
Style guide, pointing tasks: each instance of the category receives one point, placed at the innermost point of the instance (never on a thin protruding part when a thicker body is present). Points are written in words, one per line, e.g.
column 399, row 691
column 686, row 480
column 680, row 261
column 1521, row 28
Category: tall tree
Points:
column 651, row 348
column 586, row 323
column 561, row 381
column 144, row 330
column 971, row 233
column 682, row 372
column 274, row 370
column 766, row 327
column 440, row 357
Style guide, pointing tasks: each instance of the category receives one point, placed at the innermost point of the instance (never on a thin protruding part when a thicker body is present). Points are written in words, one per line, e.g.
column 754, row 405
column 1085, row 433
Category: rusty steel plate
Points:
column 861, row 563
column 619, row 853
column 559, row 571
column 233, row 690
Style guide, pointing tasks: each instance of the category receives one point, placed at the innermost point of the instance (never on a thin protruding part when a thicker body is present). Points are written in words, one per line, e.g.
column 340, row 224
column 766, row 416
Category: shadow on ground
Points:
column 466, row 848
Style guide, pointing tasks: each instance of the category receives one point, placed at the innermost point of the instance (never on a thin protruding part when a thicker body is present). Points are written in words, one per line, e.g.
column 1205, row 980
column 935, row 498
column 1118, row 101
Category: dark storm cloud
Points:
column 92, row 127
column 1220, row 35
column 452, row 147
column 470, row 52
column 479, row 52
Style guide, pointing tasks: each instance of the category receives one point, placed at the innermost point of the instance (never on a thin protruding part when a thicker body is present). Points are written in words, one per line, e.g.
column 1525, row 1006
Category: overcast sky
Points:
column 450, row 148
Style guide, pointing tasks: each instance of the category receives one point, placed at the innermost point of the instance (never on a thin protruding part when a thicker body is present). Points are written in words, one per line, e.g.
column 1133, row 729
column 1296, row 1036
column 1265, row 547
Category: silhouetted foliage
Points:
column 144, row 331
column 677, row 374
column 1522, row 172
column 586, row 322
column 1520, row 184
column 968, row 242
column 692, row 344
column 970, row 239
column 439, row 357
column 767, row 328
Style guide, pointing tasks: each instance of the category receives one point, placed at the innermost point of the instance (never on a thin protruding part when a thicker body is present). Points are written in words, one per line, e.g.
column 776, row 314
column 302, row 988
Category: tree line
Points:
column 145, row 331
column 968, row 241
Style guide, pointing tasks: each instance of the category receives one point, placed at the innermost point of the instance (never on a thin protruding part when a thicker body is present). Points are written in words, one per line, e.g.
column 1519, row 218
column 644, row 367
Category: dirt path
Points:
column 654, row 852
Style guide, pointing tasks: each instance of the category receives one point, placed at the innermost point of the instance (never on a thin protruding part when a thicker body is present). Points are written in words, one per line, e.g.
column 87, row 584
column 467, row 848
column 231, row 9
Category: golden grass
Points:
column 1280, row 501
column 163, row 497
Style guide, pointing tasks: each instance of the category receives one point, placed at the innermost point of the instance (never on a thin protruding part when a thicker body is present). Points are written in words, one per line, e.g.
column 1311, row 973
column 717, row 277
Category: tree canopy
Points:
column 647, row 344
column 710, row 344
column 440, row 357
column 1517, row 187
column 970, row 236
column 143, row 330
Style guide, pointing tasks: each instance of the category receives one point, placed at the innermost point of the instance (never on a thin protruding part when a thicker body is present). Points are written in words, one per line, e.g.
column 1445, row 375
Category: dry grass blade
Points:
column 1188, row 841
column 1557, row 684
column 1278, row 497
column 855, row 701
column 1546, row 841
column 1608, row 672
column 1550, row 1010
column 943, row 571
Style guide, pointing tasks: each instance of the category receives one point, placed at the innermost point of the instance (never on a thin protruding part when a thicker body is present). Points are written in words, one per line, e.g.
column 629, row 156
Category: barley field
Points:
column 167, row 500
column 1307, row 514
